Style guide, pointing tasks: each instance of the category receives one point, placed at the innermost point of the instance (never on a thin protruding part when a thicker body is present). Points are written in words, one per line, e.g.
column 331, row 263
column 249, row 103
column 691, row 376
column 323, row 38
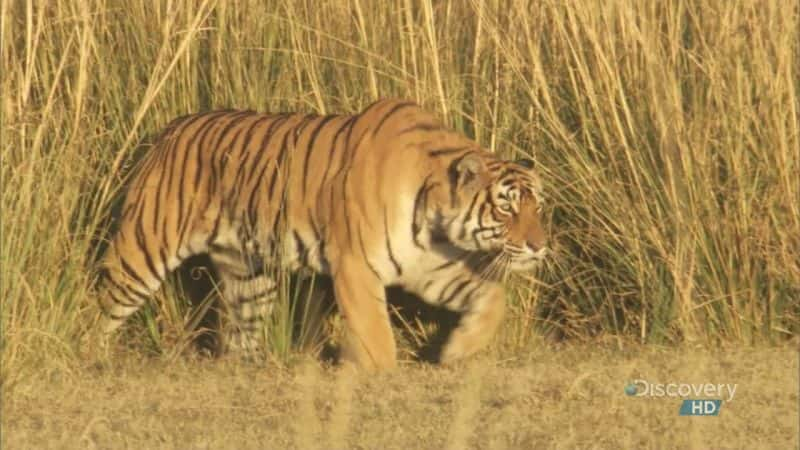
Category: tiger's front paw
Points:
column 452, row 351
column 475, row 332
column 377, row 359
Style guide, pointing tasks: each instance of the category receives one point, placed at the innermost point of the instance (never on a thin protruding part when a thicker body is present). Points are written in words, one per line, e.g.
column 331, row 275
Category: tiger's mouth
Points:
column 523, row 259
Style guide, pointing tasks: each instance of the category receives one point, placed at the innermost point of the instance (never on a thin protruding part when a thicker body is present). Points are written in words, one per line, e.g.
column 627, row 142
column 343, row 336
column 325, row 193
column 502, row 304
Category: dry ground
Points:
column 569, row 397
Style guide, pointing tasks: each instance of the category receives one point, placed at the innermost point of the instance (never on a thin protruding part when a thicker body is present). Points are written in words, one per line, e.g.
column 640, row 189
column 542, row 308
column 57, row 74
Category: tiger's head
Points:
column 492, row 205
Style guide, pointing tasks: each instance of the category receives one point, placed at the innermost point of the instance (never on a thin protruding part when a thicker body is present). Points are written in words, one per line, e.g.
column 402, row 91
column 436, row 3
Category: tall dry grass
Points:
column 667, row 133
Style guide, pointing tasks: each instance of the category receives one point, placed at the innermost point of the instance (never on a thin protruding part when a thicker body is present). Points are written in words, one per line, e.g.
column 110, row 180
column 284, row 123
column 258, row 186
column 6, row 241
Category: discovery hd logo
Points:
column 714, row 395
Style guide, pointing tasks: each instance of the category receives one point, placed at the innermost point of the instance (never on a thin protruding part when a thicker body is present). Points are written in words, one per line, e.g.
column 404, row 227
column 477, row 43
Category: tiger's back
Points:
column 340, row 194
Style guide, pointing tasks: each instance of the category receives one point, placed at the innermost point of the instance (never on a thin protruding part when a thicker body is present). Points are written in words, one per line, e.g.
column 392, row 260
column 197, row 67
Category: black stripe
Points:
column 247, row 139
column 347, row 159
column 420, row 127
column 351, row 150
column 310, row 149
column 307, row 120
column 496, row 164
column 453, row 177
column 252, row 274
column 140, row 241
column 276, row 234
column 314, row 227
column 217, row 248
column 131, row 273
column 214, row 229
column 468, row 296
column 247, row 155
column 443, row 292
column 164, row 222
column 128, row 292
column 445, row 265
column 389, row 244
column 252, row 214
column 127, row 211
column 366, row 259
column 463, row 232
column 394, row 109
column 481, row 210
column 447, row 151
column 453, row 295
column 343, row 161
column 159, row 189
column 513, row 250
column 173, row 149
column 102, row 275
column 198, row 160
column 480, row 228
column 300, row 246
column 138, row 214
column 132, row 295
column 113, row 296
column 419, row 202
column 278, row 168
column 512, row 172
column 197, row 137
column 285, row 146
column 211, row 187
column 180, row 128
column 346, row 125
column 224, row 157
column 375, row 103
column 475, row 200
column 175, row 152
column 323, row 261
column 345, row 211
column 250, row 298
column 262, row 151
column 162, row 254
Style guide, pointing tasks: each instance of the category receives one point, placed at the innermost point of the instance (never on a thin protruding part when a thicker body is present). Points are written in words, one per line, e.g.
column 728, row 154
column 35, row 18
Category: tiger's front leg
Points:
column 481, row 317
column 361, row 298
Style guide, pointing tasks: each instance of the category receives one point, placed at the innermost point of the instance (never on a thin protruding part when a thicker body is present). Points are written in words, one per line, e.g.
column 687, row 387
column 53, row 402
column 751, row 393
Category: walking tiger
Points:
column 386, row 197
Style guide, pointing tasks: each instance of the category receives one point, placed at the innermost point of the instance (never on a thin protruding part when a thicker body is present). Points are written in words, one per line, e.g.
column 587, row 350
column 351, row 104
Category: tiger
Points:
column 386, row 197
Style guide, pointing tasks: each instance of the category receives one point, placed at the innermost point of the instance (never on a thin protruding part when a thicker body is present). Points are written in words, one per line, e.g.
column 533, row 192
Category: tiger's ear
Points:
column 467, row 169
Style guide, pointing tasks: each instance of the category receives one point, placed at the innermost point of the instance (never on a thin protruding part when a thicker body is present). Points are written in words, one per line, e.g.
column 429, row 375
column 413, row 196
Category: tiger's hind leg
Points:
column 249, row 292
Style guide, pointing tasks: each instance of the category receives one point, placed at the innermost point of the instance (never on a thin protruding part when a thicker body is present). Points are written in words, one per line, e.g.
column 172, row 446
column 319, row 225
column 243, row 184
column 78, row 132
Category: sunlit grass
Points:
column 667, row 133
